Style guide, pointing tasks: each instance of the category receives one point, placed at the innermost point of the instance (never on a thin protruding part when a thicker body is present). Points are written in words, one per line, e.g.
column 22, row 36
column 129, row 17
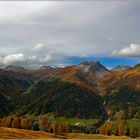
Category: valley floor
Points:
column 12, row 133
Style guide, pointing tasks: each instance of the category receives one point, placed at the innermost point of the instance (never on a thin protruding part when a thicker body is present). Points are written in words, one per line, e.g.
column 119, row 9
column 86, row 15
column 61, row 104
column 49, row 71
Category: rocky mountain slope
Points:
column 87, row 90
column 93, row 67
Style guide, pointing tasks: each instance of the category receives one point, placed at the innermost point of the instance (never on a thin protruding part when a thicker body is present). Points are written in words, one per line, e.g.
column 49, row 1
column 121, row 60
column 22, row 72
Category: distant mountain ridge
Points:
column 87, row 85
column 120, row 68
column 88, row 66
column 14, row 68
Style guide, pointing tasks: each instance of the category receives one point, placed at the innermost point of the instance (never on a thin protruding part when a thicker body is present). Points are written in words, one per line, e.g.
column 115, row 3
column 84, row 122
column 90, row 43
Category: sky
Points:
column 61, row 33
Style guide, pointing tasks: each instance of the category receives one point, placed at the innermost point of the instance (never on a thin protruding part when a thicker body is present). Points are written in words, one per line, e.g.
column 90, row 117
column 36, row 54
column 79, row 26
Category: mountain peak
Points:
column 90, row 63
column 121, row 68
column 94, row 67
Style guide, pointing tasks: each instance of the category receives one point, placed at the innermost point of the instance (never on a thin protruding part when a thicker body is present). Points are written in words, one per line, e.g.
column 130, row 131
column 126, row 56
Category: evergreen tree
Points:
column 127, row 133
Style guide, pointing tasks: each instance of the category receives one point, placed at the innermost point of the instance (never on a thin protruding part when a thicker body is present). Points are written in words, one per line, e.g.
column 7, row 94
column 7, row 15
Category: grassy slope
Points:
column 20, row 133
column 73, row 121
column 93, row 136
column 12, row 133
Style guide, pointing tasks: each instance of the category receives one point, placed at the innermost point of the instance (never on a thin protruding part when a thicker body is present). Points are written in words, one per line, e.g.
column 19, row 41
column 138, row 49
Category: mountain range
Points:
column 86, row 90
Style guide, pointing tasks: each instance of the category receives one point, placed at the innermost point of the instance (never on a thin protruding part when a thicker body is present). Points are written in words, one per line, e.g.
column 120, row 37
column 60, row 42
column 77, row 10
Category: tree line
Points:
column 29, row 123
column 120, row 130
column 43, row 123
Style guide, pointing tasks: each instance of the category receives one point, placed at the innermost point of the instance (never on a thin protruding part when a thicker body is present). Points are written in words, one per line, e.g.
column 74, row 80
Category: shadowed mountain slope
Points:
column 63, row 99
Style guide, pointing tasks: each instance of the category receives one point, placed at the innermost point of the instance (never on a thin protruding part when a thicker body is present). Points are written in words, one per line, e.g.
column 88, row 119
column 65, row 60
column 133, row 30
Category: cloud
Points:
column 68, row 29
column 13, row 58
column 133, row 50
column 110, row 38
column 17, row 10
column 38, row 47
column 29, row 61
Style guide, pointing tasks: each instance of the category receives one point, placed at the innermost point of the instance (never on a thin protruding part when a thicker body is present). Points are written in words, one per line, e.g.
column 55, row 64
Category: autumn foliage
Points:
column 16, row 122
column 6, row 122
column 63, row 128
column 43, row 122
column 26, row 123
column 121, row 129
column 102, row 129
column 106, row 129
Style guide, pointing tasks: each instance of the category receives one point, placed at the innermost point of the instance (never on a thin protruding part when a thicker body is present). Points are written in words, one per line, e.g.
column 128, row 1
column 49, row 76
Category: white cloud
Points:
column 133, row 50
column 28, row 61
column 38, row 47
column 13, row 58
column 47, row 58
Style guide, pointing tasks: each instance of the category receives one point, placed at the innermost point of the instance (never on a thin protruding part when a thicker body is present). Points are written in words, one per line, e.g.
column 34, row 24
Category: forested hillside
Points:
column 84, row 91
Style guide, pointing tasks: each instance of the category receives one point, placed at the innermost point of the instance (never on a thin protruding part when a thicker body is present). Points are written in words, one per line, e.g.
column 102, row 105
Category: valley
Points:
column 73, row 96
